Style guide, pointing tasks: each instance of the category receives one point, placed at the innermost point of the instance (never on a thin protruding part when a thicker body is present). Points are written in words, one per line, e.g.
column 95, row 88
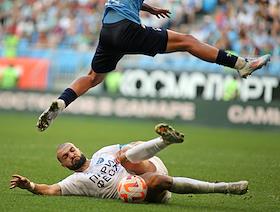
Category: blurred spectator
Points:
column 10, row 44
column 209, row 5
column 9, row 77
column 113, row 81
column 231, row 89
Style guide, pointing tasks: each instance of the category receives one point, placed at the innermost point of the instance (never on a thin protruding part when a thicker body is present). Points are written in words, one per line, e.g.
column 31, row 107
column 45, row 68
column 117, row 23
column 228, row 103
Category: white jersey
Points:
column 100, row 179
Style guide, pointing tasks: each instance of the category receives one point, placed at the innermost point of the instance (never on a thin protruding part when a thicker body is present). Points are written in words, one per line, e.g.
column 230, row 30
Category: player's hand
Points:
column 20, row 181
column 158, row 12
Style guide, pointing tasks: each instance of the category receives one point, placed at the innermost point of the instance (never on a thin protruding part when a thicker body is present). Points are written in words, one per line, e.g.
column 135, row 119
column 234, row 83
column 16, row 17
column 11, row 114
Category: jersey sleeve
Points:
column 70, row 186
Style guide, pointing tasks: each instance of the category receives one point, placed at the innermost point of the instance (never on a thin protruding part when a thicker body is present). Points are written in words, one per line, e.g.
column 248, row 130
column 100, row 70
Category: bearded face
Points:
column 70, row 156
column 77, row 162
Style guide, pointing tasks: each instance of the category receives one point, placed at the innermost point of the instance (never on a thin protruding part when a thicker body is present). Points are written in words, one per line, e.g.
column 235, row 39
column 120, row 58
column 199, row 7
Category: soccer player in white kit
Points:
column 99, row 176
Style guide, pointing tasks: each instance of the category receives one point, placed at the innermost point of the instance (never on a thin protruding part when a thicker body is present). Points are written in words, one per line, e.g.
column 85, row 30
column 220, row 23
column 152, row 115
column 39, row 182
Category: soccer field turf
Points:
column 211, row 154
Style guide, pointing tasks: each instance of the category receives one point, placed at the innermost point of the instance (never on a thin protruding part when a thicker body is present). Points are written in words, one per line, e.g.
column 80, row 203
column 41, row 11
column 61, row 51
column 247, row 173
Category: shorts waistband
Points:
column 124, row 21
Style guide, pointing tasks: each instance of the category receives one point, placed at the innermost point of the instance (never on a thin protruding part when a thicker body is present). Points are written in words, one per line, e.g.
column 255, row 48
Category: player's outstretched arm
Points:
column 158, row 12
column 42, row 189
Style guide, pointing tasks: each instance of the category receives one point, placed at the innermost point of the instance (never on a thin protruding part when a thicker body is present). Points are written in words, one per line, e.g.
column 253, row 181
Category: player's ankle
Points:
column 240, row 63
column 61, row 104
column 68, row 96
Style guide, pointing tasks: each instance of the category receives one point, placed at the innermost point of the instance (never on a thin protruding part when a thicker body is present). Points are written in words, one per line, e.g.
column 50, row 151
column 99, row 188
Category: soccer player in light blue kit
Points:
column 122, row 33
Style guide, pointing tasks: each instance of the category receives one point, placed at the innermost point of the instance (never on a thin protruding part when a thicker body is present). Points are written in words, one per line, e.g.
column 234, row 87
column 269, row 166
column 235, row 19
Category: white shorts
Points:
column 161, row 169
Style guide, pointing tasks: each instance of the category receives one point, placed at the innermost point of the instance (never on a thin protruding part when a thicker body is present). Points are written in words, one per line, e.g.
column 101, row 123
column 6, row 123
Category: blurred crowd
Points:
column 247, row 27
column 51, row 23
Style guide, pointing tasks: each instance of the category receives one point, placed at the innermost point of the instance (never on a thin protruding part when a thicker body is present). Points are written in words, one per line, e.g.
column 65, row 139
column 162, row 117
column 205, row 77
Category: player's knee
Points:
column 189, row 41
column 95, row 78
column 159, row 182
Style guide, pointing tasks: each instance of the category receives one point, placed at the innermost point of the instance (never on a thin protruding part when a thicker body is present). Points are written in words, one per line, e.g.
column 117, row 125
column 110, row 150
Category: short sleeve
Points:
column 70, row 186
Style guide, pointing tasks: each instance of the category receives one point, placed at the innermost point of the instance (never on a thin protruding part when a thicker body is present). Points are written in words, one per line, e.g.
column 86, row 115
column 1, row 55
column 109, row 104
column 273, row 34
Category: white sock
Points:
column 61, row 104
column 240, row 63
column 183, row 185
column 145, row 150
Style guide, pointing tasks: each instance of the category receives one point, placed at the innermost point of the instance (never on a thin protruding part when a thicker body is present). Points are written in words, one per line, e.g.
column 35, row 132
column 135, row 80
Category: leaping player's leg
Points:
column 105, row 60
column 77, row 88
column 183, row 42
column 148, row 149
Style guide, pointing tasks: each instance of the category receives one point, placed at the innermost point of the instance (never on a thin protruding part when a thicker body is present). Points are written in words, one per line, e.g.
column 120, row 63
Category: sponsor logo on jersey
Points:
column 100, row 160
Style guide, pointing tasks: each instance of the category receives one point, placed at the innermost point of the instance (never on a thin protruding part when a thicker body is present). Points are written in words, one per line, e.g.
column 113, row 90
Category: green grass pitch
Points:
column 211, row 154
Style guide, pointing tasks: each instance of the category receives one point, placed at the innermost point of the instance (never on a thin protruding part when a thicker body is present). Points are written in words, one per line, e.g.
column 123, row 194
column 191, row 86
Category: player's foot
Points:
column 169, row 134
column 50, row 114
column 239, row 188
column 253, row 65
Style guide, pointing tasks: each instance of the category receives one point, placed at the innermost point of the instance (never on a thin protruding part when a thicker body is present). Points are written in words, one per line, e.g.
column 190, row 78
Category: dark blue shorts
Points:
column 126, row 37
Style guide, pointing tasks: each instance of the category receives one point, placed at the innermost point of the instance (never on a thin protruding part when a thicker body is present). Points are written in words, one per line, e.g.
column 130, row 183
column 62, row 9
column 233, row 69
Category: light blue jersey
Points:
column 116, row 10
